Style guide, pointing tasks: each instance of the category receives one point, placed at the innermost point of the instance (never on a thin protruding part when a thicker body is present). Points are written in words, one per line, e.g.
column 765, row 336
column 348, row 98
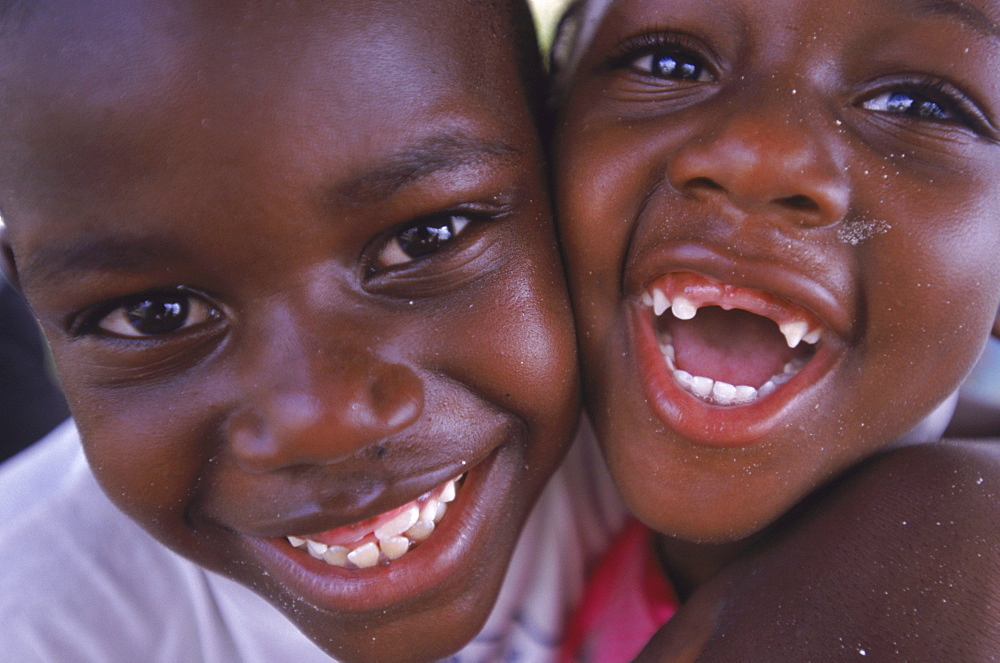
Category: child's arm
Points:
column 898, row 562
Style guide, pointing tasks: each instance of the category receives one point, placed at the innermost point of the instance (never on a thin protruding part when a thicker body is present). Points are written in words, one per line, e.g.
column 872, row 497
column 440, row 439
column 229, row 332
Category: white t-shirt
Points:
column 79, row 581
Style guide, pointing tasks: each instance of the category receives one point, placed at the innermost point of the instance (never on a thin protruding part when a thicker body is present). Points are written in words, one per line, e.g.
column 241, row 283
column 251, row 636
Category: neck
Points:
column 690, row 565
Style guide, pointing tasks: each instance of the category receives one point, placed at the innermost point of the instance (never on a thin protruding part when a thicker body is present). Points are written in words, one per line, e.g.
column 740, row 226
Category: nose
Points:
column 763, row 160
column 315, row 406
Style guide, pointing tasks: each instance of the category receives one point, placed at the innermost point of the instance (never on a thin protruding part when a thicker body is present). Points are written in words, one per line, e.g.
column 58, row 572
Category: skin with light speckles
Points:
column 836, row 162
column 297, row 267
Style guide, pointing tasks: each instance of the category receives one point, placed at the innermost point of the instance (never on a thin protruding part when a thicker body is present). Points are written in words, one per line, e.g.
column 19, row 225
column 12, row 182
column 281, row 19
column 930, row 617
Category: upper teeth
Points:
column 683, row 308
column 719, row 392
column 404, row 521
column 794, row 331
column 393, row 538
column 660, row 302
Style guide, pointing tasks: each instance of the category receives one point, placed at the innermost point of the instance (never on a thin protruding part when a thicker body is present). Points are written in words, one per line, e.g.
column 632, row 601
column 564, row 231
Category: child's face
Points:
column 826, row 166
column 296, row 264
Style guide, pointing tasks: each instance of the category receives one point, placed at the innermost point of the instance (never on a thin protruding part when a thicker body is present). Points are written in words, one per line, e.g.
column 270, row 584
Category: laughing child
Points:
column 297, row 269
column 782, row 236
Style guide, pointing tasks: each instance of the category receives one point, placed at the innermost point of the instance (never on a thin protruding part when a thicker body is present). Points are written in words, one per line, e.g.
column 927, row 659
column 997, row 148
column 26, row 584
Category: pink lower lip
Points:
column 707, row 424
column 431, row 565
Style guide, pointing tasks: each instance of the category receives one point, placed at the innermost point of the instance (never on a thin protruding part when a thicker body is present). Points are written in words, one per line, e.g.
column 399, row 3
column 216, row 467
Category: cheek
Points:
column 515, row 345
column 934, row 290
column 537, row 339
column 599, row 183
column 148, row 447
column 946, row 275
column 603, row 178
column 594, row 201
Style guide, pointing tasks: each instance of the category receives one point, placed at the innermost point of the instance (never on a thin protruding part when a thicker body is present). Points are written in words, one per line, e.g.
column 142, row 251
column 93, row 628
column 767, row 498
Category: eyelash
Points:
column 185, row 302
column 111, row 319
column 648, row 43
column 939, row 92
column 954, row 103
column 392, row 252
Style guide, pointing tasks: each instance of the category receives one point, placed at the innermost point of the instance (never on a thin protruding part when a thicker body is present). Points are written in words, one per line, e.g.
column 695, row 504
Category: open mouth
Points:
column 726, row 345
column 719, row 361
column 382, row 538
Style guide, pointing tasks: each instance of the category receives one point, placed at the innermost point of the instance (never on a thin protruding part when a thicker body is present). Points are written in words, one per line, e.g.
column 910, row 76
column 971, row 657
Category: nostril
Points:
column 800, row 203
column 704, row 183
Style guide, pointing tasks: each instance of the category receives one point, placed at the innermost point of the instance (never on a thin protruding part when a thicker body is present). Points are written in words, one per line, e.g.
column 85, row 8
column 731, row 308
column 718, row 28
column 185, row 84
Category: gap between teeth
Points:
column 394, row 538
column 794, row 331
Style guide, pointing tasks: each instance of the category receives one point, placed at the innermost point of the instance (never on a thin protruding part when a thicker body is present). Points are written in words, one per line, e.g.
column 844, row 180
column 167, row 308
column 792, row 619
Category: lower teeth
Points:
column 393, row 539
column 718, row 392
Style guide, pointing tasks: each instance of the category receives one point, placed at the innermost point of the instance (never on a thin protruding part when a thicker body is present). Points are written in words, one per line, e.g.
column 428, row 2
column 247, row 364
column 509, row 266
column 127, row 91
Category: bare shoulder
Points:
column 960, row 459
column 950, row 486
column 899, row 560
column 940, row 501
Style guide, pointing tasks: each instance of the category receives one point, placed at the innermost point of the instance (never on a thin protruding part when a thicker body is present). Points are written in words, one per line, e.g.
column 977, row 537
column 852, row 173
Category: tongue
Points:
column 734, row 346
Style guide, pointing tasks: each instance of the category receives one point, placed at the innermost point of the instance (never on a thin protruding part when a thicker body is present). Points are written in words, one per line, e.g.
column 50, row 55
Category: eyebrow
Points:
column 439, row 153
column 967, row 13
column 55, row 263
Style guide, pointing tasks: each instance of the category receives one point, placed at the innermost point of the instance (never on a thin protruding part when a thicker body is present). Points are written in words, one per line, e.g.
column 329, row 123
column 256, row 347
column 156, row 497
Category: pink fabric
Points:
column 626, row 601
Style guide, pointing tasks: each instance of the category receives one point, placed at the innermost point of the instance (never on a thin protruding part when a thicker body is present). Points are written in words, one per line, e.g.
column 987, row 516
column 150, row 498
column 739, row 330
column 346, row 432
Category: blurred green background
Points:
column 546, row 15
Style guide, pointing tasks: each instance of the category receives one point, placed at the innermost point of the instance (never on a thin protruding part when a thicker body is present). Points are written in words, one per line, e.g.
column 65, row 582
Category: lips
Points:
column 720, row 362
column 460, row 547
column 383, row 538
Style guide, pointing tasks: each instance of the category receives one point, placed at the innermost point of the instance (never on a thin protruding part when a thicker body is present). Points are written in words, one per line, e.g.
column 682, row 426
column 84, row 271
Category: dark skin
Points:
column 296, row 265
column 863, row 573
column 837, row 161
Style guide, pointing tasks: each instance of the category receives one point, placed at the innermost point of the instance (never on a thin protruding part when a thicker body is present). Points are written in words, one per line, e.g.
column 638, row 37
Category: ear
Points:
column 7, row 265
column 564, row 38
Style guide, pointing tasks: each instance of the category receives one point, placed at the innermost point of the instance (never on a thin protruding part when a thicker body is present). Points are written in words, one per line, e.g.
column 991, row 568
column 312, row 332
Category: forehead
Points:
column 119, row 81
column 138, row 45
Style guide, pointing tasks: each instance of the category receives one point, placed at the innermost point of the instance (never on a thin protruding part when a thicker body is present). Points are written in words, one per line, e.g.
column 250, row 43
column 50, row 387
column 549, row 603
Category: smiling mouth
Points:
column 720, row 364
column 726, row 345
column 383, row 538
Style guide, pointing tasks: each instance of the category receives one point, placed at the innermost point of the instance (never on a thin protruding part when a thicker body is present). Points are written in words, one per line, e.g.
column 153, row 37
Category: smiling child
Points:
column 296, row 266
column 782, row 239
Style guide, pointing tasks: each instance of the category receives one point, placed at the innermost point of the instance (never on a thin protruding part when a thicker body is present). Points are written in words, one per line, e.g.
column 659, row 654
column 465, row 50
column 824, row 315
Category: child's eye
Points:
column 422, row 238
column 156, row 313
column 933, row 100
column 908, row 103
column 664, row 55
column 674, row 65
